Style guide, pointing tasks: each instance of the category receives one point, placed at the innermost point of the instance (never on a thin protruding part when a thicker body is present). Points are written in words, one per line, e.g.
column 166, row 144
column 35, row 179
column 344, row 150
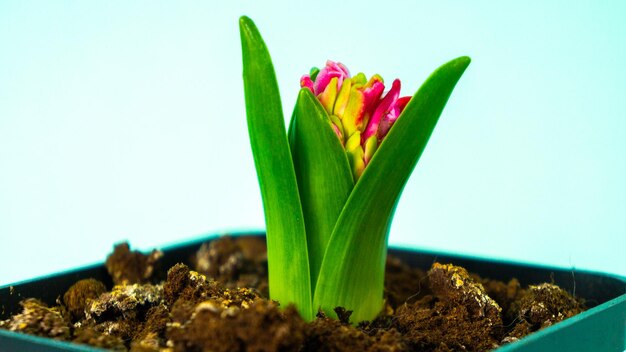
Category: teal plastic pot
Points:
column 601, row 328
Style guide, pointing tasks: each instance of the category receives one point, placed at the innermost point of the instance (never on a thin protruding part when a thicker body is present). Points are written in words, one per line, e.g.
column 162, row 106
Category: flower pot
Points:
column 601, row 328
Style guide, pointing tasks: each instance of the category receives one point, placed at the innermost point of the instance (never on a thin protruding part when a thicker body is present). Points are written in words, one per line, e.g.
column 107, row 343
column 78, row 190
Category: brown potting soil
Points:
column 221, row 304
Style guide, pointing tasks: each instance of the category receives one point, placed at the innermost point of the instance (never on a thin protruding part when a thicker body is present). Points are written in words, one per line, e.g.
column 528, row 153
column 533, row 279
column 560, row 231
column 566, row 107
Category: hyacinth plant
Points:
column 330, row 184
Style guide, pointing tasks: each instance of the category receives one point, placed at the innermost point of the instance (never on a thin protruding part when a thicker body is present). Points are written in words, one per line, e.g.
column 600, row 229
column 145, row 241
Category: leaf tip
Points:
column 247, row 26
column 245, row 21
column 305, row 93
column 463, row 61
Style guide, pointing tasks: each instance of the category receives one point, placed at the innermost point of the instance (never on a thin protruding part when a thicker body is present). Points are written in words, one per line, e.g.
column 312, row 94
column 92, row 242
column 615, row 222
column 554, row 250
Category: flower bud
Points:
column 359, row 113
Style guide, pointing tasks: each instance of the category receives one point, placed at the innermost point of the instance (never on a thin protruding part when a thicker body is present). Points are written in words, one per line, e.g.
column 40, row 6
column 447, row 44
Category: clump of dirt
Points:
column 546, row 304
column 152, row 334
column 184, row 289
column 541, row 306
column 458, row 316
column 131, row 267
column 223, row 306
column 325, row 334
column 123, row 311
column 80, row 295
column 503, row 293
column 38, row 319
column 90, row 336
column 259, row 327
column 183, row 283
column 235, row 262
column 125, row 300
column 453, row 284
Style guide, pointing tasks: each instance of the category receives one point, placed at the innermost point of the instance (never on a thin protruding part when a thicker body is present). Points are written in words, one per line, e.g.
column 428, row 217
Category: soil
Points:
column 221, row 304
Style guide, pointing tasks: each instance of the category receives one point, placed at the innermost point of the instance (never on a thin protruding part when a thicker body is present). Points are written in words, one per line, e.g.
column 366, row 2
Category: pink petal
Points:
column 306, row 82
column 372, row 95
column 383, row 109
column 330, row 71
column 390, row 118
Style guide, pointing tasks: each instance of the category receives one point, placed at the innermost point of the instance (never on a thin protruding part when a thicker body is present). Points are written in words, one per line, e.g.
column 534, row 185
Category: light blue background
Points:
column 125, row 120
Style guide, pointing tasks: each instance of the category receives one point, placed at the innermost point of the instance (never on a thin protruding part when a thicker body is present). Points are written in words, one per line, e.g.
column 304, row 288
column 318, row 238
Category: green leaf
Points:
column 352, row 272
column 323, row 173
column 286, row 238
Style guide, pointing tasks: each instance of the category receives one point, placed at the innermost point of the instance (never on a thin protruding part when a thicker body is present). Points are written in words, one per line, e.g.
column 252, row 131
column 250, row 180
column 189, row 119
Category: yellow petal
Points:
column 353, row 114
column 371, row 144
column 342, row 98
column 353, row 142
column 329, row 95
